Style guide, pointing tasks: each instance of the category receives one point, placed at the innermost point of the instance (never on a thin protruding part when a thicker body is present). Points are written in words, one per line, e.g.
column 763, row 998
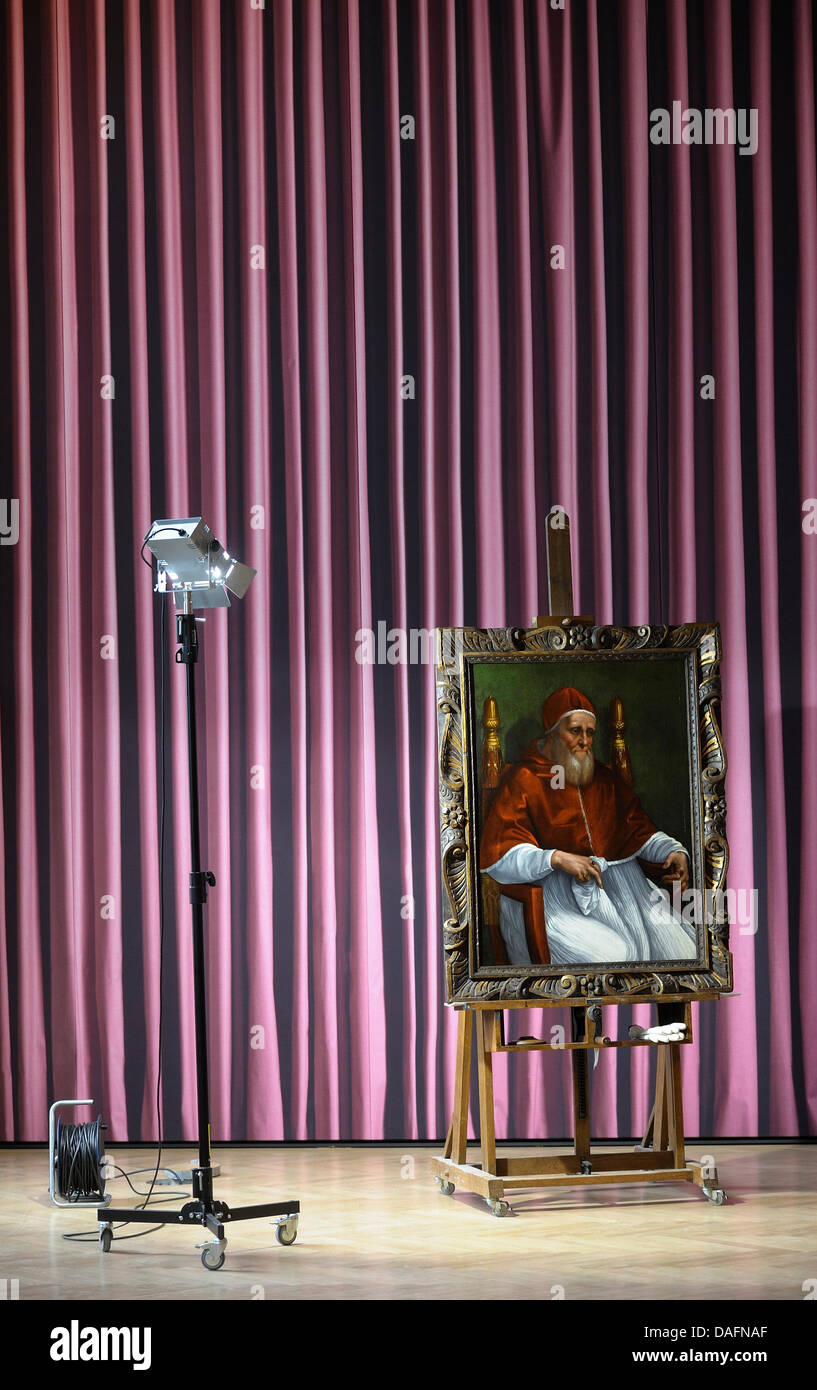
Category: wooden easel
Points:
column 660, row 1157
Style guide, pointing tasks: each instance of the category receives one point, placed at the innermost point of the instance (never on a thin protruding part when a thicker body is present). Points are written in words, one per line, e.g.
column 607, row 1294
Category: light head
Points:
column 191, row 561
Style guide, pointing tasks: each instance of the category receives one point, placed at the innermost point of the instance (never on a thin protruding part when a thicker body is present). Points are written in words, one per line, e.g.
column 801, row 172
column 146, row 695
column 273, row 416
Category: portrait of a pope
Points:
column 567, row 822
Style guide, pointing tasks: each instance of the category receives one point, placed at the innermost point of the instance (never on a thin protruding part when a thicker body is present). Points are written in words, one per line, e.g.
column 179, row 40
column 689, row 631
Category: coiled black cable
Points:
column 80, row 1161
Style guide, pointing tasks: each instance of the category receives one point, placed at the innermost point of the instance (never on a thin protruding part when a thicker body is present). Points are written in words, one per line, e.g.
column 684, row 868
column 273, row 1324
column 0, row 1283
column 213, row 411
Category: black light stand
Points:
column 203, row 1210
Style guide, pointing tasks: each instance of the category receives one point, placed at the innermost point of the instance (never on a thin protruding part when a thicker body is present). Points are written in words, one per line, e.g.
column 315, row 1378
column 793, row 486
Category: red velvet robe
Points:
column 527, row 810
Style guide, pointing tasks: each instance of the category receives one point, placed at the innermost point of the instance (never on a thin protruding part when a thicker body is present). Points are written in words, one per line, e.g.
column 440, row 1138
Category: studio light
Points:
column 198, row 571
column 190, row 560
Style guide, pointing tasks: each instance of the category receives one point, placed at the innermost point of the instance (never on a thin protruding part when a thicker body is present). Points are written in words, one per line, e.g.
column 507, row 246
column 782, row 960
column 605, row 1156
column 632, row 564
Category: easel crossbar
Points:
column 570, row 1163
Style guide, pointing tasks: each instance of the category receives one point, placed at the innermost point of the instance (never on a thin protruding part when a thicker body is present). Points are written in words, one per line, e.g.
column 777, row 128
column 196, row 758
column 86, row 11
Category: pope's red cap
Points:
column 563, row 702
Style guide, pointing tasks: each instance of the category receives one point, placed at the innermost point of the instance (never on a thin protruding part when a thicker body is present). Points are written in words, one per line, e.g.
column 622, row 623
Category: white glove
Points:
column 660, row 1033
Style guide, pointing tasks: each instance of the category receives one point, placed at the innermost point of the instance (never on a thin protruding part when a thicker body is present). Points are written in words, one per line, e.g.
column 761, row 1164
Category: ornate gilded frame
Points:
column 698, row 646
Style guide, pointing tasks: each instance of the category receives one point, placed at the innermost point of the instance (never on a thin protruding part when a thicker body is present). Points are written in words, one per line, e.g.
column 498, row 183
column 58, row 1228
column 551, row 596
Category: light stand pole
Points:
column 187, row 655
column 203, row 1210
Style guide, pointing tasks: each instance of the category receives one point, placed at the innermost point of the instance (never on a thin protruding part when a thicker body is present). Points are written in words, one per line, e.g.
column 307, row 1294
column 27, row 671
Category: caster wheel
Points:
column 717, row 1196
column 447, row 1188
column 212, row 1257
column 105, row 1238
column 500, row 1208
column 286, row 1232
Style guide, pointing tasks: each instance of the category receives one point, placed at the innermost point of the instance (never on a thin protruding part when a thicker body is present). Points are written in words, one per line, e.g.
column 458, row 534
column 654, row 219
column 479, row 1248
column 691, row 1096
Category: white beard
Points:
column 579, row 772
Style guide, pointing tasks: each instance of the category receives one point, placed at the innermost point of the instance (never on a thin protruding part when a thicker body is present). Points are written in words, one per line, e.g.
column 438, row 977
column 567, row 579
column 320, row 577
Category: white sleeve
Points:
column 522, row 864
column 659, row 846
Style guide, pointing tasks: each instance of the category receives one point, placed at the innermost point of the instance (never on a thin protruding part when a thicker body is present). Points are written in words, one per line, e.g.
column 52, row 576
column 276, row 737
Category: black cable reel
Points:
column 81, row 1161
column 78, row 1165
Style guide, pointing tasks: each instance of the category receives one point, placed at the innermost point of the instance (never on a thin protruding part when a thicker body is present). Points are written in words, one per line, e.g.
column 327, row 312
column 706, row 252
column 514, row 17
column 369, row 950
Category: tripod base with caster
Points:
column 204, row 1211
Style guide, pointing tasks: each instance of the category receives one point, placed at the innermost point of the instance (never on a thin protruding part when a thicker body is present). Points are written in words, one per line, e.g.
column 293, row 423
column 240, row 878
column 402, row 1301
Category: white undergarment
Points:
column 624, row 920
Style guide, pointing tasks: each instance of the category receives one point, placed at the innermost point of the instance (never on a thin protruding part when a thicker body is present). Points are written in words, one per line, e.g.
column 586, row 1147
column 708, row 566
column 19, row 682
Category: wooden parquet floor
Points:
column 373, row 1226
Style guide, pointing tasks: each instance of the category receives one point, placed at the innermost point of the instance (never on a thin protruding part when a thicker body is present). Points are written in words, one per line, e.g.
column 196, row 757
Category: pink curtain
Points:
column 373, row 286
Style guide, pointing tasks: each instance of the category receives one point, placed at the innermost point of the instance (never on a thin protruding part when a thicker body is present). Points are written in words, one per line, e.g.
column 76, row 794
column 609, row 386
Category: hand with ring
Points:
column 579, row 866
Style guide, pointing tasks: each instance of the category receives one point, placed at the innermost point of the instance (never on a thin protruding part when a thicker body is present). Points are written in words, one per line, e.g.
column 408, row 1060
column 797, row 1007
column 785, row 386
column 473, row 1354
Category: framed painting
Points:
column 582, row 813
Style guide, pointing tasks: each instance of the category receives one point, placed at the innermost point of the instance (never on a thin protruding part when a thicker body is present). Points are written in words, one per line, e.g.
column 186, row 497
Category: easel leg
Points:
column 581, row 1097
column 647, row 1141
column 675, row 1105
column 662, row 1100
column 457, row 1140
column 485, row 1022
column 581, row 1106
